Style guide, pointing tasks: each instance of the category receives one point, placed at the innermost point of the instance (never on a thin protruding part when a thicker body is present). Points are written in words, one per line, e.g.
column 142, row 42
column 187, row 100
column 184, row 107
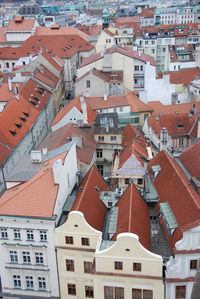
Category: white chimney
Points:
column 9, row 84
column 105, row 96
column 84, row 109
column 78, row 139
column 164, row 138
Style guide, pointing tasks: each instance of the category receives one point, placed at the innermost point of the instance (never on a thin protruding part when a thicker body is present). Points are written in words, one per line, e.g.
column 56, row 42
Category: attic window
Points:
column 33, row 103
column 39, row 91
column 168, row 218
column 13, row 132
column 23, row 119
column 179, row 125
column 26, row 114
column 35, row 98
column 18, row 126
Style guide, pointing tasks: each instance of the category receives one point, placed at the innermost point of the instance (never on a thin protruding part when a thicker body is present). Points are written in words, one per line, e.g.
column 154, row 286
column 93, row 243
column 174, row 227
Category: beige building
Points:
column 100, row 256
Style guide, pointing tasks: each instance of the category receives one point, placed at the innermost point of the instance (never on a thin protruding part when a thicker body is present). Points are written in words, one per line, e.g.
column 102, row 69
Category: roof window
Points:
column 13, row 132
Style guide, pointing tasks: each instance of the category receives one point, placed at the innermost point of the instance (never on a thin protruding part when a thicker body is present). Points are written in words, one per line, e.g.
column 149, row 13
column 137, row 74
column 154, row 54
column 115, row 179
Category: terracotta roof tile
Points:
column 60, row 31
column 64, row 135
column 190, row 158
column 121, row 50
column 129, row 132
column 93, row 30
column 30, row 199
column 113, row 76
column 173, row 187
column 20, row 24
column 88, row 199
column 160, row 109
column 133, row 216
column 5, row 94
column 184, row 76
column 2, row 35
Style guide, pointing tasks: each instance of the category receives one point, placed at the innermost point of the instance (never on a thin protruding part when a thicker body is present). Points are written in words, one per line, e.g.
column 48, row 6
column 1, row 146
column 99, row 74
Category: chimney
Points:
column 36, row 157
column 9, row 84
column 164, row 138
column 105, row 96
column 78, row 139
column 84, row 109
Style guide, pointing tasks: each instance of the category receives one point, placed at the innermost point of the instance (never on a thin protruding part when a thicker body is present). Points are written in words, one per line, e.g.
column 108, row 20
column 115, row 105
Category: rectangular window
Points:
column 69, row 240
column 147, row 294
column 17, row 281
column 181, row 142
column 119, row 293
column 100, row 169
column 140, row 181
column 113, row 292
column 141, row 68
column 42, row 283
column 126, row 181
column 88, row 83
column 30, row 236
column 17, row 235
column 113, row 138
column 180, row 291
column 108, row 293
column 87, row 267
column 193, row 264
column 7, row 65
column 43, row 235
column 100, row 138
column 26, row 257
column 99, row 152
column 13, row 257
column 85, row 241
column 137, row 67
column 137, row 267
column 29, row 282
column 71, row 289
column 70, row 265
column 136, row 294
column 39, row 258
column 4, row 233
column 118, row 266
column 89, row 292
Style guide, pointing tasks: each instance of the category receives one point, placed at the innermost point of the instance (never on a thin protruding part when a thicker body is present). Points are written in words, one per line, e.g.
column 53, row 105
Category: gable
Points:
column 132, row 167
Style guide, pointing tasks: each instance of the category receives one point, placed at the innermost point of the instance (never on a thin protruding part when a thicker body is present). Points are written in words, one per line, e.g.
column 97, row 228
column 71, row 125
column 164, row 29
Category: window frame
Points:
column 88, row 84
column 89, row 291
column 17, row 281
column 137, row 267
column 69, row 240
column 26, row 257
column 39, row 258
column 43, row 236
column 70, row 267
column 178, row 291
column 42, row 285
column 71, row 287
column 87, row 267
column 29, row 280
column 13, row 257
column 4, row 233
column 193, row 264
column 17, row 234
column 85, row 241
column 30, row 235
column 118, row 265
column 99, row 152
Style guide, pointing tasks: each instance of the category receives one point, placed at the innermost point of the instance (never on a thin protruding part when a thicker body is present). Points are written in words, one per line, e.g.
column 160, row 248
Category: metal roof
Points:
column 168, row 214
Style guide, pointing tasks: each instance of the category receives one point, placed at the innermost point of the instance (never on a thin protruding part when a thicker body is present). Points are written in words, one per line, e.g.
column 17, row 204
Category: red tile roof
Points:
column 60, row 31
column 2, row 35
column 93, row 30
column 14, row 53
column 173, row 187
column 129, row 132
column 5, row 94
column 190, row 158
column 184, row 76
column 113, row 76
column 176, row 124
column 160, row 109
column 107, row 31
column 45, row 76
column 64, row 135
column 74, row 103
column 181, row 49
column 30, row 199
column 88, row 199
column 133, row 216
column 20, row 24
column 121, row 50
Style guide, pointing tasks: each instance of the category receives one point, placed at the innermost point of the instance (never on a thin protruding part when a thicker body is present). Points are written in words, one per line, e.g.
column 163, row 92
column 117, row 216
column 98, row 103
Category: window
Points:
column 17, row 235
column 181, row 142
column 140, row 181
column 88, row 83
column 142, row 294
column 141, row 67
column 146, row 42
column 13, row 257
column 121, row 109
column 70, row 265
column 89, row 292
column 43, row 235
column 85, row 241
column 17, row 281
column 100, row 169
column 29, row 282
column 87, row 267
column 71, row 289
column 180, row 291
column 69, row 240
column 7, row 65
column 30, row 236
column 137, row 67
column 193, row 264
column 113, row 292
column 118, row 266
column 26, row 257
column 4, row 233
column 137, row 266
column 39, row 258
column 100, row 138
column 41, row 283
column 113, row 138
column 99, row 152
column 126, row 181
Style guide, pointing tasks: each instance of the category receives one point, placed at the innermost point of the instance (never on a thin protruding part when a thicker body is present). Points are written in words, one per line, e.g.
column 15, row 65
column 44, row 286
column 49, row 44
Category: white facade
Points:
column 179, row 270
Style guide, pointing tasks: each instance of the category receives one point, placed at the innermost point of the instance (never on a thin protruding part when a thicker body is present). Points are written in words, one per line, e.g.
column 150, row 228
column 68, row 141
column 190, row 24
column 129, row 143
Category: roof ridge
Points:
column 130, row 209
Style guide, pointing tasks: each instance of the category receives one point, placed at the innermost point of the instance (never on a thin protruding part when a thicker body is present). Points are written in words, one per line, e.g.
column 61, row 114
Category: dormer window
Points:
column 13, row 132
column 26, row 114
column 23, row 119
column 18, row 126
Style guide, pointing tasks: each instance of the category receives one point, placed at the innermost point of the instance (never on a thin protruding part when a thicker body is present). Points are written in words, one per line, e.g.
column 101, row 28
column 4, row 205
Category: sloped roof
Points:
column 190, row 158
column 184, row 76
column 5, row 94
column 2, row 35
column 160, row 109
column 176, row 124
column 64, row 135
column 60, row 31
column 91, row 115
column 113, row 76
column 88, row 199
column 133, row 216
column 46, row 76
column 20, row 24
column 173, row 187
column 129, row 132
column 92, row 30
column 30, row 199
column 14, row 53
column 124, row 50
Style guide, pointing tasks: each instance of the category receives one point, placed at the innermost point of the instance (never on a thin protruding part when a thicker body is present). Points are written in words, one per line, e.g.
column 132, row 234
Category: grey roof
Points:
column 106, row 244
column 168, row 214
column 110, row 223
column 150, row 193
column 107, row 123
